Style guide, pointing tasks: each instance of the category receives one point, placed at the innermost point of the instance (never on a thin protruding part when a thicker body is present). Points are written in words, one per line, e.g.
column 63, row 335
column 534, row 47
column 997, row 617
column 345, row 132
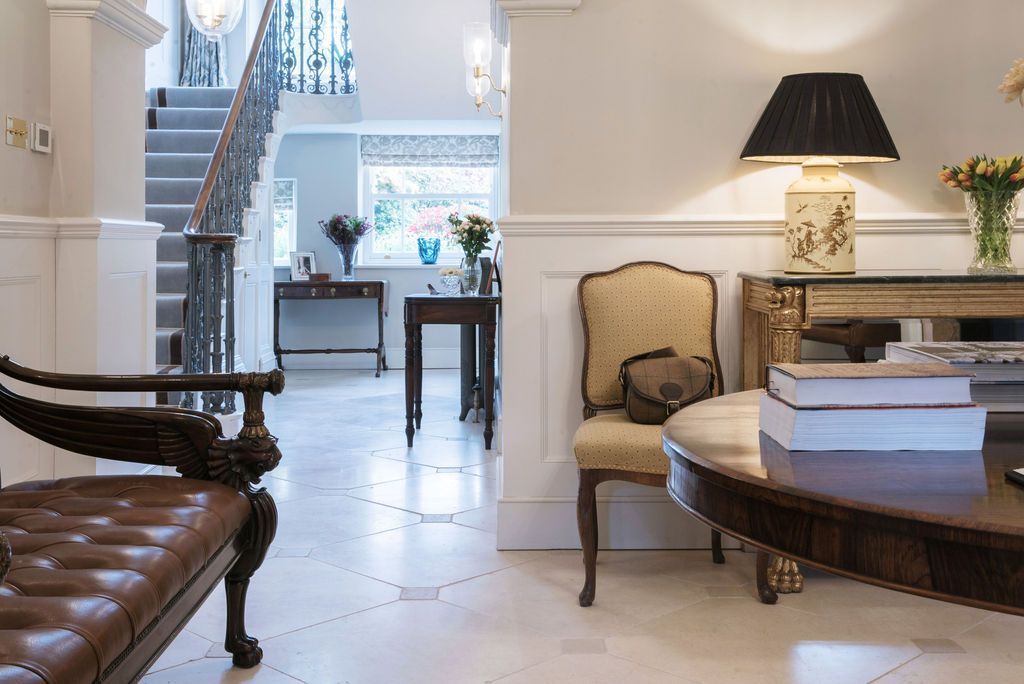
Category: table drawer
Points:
column 352, row 290
column 303, row 292
column 330, row 291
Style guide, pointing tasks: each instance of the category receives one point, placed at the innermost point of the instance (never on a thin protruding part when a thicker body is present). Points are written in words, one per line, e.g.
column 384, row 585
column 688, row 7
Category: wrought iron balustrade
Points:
column 216, row 222
column 316, row 49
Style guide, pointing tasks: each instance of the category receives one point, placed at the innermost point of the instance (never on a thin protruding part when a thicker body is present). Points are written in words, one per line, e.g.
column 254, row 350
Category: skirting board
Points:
column 532, row 524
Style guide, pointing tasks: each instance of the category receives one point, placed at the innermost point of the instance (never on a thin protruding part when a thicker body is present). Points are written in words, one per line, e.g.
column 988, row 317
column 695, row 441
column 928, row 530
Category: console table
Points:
column 946, row 525
column 778, row 306
column 444, row 309
column 330, row 290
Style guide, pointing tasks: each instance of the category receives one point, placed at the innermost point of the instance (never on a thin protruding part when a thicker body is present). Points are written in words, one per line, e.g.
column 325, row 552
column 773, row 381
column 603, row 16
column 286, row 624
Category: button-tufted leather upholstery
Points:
column 96, row 560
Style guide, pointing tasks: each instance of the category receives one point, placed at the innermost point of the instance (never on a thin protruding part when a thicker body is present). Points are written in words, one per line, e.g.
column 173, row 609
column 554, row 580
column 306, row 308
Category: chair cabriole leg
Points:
column 586, row 515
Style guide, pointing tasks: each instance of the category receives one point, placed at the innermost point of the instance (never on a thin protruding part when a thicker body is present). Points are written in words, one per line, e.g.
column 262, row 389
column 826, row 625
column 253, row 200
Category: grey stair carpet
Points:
column 183, row 125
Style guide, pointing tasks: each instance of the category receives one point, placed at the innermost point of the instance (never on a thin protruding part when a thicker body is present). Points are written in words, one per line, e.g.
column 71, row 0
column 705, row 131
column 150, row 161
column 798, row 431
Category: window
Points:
column 284, row 220
column 409, row 202
column 411, row 183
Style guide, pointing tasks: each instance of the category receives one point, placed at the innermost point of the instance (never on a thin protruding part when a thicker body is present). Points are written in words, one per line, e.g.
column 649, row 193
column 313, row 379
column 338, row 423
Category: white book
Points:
column 989, row 361
column 869, row 384
column 958, row 427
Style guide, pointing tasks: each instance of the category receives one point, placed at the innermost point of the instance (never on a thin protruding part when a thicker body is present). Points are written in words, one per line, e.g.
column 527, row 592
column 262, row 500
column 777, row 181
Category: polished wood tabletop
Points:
column 941, row 524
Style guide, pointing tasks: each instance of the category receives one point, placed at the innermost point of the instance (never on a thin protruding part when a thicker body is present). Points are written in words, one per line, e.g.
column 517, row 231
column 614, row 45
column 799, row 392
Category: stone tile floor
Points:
column 385, row 570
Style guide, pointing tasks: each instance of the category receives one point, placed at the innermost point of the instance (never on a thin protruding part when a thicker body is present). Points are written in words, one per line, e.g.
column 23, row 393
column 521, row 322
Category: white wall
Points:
column 326, row 167
column 629, row 150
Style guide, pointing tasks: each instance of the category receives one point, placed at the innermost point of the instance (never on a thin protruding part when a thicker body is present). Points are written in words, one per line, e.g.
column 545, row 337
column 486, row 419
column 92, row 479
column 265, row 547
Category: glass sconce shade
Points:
column 476, row 45
column 214, row 18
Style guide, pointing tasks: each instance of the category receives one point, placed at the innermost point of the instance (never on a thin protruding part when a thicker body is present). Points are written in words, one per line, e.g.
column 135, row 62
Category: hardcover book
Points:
column 934, row 427
column 869, row 384
column 989, row 361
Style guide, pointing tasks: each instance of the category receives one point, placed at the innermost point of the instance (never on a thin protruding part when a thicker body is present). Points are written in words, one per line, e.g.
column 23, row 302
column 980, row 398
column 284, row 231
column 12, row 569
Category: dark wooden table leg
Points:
column 277, row 332
column 380, row 333
column 417, row 350
column 410, row 380
column 488, row 383
column 467, row 368
column 764, row 591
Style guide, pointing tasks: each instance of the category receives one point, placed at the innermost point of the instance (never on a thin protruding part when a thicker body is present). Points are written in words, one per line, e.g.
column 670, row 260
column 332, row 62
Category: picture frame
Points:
column 303, row 264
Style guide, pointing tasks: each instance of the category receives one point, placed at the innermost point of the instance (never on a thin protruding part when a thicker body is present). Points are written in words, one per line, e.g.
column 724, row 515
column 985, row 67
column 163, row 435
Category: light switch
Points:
column 17, row 132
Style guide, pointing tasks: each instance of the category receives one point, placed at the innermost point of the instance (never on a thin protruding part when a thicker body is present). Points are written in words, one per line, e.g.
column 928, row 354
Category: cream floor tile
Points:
column 543, row 594
column 437, row 493
column 186, row 647
column 373, row 440
column 290, row 593
column 331, row 470
column 412, row 642
column 424, row 555
column 484, row 518
column 999, row 637
column 953, row 668
column 283, row 490
column 219, row 671
column 451, row 453
column 592, row 669
column 484, row 469
column 320, row 520
column 732, row 640
column 453, row 429
column 850, row 602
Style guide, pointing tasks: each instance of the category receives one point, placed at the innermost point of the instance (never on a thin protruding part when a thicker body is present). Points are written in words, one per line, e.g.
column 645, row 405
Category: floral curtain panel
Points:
column 430, row 150
column 203, row 60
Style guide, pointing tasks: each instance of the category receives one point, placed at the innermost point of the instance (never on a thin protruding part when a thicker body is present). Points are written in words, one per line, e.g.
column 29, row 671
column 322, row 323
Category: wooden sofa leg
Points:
column 716, row 547
column 244, row 649
column 586, row 517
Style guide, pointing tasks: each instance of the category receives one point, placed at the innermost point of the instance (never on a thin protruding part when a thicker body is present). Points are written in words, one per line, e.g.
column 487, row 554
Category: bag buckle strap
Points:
column 671, row 407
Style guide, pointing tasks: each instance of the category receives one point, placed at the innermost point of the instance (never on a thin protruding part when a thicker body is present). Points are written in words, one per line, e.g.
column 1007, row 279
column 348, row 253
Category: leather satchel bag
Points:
column 657, row 384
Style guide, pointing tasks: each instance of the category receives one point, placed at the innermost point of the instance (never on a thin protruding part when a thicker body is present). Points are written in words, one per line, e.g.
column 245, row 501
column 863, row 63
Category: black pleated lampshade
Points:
column 821, row 115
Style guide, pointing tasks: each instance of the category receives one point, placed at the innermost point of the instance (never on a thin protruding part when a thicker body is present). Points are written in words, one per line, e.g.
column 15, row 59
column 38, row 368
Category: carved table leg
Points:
column 410, row 382
column 764, row 590
column 258, row 534
column 784, row 576
column 488, row 383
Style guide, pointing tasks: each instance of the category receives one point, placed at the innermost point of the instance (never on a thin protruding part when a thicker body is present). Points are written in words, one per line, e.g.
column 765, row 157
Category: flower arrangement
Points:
column 450, row 271
column 1013, row 83
column 430, row 222
column 991, row 187
column 471, row 232
column 342, row 229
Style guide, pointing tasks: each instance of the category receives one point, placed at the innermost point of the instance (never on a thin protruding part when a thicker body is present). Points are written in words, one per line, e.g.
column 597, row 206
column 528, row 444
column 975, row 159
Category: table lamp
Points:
column 820, row 120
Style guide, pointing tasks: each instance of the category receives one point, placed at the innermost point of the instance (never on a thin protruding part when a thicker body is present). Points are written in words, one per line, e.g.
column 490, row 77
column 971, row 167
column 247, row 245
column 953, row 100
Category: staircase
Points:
column 183, row 125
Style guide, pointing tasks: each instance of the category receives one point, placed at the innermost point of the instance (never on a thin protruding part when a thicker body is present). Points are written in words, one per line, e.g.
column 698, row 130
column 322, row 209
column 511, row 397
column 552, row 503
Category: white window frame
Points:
column 370, row 257
column 292, row 222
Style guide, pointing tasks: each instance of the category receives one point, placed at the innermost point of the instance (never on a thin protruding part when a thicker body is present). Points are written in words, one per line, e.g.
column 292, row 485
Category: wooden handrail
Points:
column 191, row 228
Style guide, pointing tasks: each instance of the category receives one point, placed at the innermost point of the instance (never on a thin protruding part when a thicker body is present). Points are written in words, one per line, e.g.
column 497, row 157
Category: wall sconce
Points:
column 820, row 120
column 214, row 18
column 476, row 49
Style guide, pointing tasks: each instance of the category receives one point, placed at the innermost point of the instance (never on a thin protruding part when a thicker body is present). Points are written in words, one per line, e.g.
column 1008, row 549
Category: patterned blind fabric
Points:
column 430, row 150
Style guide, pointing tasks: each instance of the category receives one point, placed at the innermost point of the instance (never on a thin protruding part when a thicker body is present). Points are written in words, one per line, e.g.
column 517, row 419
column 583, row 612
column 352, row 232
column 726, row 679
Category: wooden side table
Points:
column 446, row 310
column 329, row 290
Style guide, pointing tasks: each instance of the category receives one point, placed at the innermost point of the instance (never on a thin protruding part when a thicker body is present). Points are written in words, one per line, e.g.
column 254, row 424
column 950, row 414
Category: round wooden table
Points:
column 941, row 524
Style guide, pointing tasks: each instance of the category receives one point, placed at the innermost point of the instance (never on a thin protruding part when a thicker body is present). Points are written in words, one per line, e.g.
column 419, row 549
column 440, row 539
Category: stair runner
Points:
column 183, row 125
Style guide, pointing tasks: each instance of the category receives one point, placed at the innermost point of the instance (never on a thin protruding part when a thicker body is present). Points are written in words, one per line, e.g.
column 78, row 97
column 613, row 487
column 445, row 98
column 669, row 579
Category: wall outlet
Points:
column 17, row 132
column 42, row 138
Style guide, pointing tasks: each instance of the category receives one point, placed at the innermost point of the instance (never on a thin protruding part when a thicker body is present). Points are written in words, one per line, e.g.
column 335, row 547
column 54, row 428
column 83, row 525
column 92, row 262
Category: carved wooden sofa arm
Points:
column 191, row 441
column 240, row 521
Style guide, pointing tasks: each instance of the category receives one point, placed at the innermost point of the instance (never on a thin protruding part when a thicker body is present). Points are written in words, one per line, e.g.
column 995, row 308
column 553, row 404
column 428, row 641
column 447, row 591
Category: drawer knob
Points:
column 366, row 291
column 333, row 291
column 312, row 292
column 280, row 292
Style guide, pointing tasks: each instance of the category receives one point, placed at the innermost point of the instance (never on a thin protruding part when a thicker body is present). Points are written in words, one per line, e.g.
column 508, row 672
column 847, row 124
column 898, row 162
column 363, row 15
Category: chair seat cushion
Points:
column 617, row 443
column 95, row 561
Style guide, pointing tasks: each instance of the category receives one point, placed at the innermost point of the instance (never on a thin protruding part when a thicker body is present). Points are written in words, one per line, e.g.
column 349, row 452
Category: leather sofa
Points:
column 101, row 572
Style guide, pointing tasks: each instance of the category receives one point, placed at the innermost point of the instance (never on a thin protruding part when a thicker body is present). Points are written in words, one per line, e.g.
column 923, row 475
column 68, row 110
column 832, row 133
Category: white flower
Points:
column 1013, row 83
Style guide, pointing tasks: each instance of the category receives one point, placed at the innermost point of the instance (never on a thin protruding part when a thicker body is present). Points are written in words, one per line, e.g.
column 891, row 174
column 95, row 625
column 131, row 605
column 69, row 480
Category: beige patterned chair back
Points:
column 638, row 308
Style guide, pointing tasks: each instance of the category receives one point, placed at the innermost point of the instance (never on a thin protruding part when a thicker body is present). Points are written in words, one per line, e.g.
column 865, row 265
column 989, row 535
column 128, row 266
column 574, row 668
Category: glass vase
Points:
column 991, row 217
column 429, row 248
column 348, row 257
column 451, row 284
column 471, row 275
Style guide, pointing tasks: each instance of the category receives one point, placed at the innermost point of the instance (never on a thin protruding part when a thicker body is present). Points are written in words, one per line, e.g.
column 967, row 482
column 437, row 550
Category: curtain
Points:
column 203, row 61
column 429, row 150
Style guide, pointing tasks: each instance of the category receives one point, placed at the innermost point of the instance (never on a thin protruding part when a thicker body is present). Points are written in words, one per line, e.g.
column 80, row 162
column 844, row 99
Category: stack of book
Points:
column 998, row 367
column 871, row 407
